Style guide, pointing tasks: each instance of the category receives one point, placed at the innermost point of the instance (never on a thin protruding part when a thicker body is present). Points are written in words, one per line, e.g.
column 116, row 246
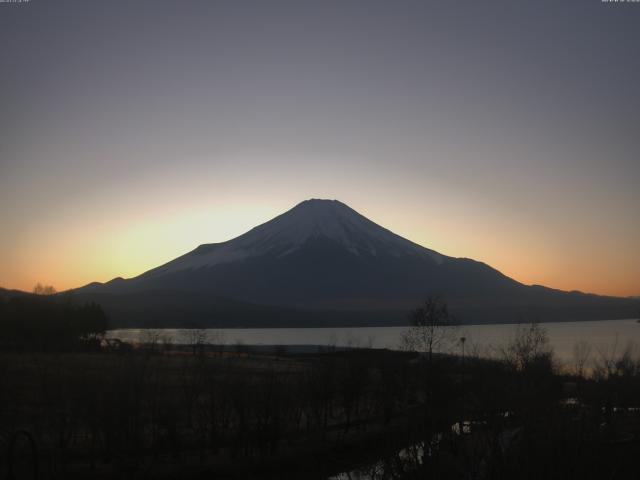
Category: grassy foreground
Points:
column 172, row 414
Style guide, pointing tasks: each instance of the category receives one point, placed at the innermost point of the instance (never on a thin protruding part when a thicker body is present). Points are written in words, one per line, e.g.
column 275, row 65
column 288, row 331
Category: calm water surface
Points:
column 602, row 335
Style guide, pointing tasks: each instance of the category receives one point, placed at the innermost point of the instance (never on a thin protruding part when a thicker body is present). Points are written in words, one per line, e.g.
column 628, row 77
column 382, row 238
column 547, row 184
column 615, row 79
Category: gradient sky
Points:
column 505, row 131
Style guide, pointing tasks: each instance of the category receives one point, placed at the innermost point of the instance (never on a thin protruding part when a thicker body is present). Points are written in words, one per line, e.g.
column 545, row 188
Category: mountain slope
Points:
column 6, row 294
column 324, row 257
column 296, row 229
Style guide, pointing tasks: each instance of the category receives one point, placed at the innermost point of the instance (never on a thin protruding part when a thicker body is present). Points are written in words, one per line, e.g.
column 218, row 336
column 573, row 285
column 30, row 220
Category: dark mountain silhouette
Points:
column 323, row 263
column 7, row 293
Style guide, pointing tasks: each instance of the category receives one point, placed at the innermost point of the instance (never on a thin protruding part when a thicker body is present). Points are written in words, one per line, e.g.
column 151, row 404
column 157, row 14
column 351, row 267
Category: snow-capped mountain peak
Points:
column 313, row 219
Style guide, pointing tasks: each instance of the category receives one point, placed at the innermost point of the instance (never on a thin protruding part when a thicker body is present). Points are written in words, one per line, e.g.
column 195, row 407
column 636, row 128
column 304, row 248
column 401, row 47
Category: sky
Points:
column 505, row 131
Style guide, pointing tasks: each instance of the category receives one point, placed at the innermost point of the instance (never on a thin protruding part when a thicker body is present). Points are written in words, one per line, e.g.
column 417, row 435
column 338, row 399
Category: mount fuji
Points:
column 322, row 263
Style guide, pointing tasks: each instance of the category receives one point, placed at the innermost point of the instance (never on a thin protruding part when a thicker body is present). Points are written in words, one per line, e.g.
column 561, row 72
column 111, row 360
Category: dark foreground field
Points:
column 146, row 413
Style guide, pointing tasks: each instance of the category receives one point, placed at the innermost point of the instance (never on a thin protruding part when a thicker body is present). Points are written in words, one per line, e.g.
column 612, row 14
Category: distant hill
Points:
column 5, row 293
column 322, row 263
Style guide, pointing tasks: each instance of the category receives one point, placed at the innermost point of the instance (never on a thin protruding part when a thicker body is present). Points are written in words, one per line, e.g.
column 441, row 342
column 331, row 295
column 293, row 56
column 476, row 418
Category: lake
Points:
column 603, row 336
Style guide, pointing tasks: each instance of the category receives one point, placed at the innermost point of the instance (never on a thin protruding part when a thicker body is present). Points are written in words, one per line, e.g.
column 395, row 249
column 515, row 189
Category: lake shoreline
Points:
column 602, row 335
column 329, row 327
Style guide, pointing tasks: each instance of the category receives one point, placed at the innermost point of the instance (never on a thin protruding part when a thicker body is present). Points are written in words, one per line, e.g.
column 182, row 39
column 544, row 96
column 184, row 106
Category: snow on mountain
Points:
column 322, row 263
column 287, row 233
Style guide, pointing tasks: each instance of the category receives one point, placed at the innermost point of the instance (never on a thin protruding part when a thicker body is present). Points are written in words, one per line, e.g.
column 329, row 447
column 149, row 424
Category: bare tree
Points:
column 216, row 339
column 196, row 339
column 529, row 346
column 41, row 289
column 431, row 327
column 605, row 363
column 581, row 356
column 614, row 363
column 167, row 343
column 150, row 340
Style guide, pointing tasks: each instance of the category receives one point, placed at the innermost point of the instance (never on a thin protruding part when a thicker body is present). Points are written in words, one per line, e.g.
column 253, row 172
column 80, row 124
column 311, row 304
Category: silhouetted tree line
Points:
column 39, row 323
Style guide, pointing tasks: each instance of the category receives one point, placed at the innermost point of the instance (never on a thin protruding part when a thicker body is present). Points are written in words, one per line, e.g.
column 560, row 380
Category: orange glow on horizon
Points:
column 144, row 240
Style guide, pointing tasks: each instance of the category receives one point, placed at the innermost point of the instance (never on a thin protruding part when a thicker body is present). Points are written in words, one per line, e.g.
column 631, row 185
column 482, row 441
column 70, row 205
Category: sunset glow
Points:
column 78, row 254
column 133, row 148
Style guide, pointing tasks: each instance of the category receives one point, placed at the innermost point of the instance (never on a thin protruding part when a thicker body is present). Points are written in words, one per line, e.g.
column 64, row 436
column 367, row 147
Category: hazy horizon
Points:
column 501, row 131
